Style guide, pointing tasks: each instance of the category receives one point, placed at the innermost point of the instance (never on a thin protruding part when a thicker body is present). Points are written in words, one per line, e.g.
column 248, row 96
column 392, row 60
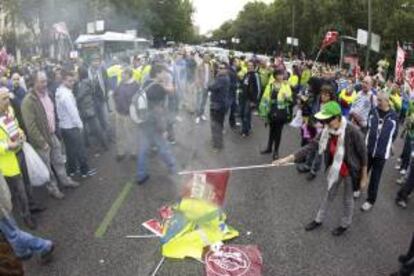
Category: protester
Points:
column 39, row 118
column 274, row 108
column 86, row 106
column 204, row 78
column 251, row 90
column 382, row 132
column 71, row 127
column 345, row 156
column 125, row 128
column 220, row 91
column 152, row 130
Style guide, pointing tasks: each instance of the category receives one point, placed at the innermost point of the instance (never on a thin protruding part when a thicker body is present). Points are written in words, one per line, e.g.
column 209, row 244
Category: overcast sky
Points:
column 210, row 14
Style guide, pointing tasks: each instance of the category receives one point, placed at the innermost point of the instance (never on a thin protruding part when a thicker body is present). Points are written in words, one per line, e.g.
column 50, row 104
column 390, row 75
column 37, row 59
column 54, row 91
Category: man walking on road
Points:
column 345, row 156
column 39, row 118
column 153, row 129
column 220, row 90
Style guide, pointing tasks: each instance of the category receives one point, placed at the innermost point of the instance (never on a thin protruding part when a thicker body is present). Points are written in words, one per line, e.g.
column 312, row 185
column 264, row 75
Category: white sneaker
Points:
column 179, row 119
column 57, row 194
column 403, row 172
column 366, row 206
column 197, row 120
column 203, row 117
column 357, row 194
column 398, row 167
column 401, row 180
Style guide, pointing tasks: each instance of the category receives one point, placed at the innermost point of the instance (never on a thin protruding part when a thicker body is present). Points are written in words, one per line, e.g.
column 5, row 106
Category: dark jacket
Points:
column 35, row 121
column 220, row 91
column 85, row 99
column 379, row 140
column 123, row 97
column 355, row 153
column 251, row 87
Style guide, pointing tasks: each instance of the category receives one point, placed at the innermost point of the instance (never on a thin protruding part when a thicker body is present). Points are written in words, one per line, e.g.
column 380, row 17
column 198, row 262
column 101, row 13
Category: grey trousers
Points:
column 55, row 160
column 19, row 194
column 348, row 201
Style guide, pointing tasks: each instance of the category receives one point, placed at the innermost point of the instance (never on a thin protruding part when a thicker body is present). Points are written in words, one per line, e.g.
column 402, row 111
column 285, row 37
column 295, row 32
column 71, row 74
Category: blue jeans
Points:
column 23, row 243
column 151, row 136
column 246, row 116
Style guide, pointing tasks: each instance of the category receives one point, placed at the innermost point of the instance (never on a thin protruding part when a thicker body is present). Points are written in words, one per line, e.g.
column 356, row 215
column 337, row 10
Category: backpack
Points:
column 138, row 110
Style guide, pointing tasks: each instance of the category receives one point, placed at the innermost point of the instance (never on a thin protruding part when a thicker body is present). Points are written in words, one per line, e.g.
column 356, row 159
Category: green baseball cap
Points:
column 329, row 110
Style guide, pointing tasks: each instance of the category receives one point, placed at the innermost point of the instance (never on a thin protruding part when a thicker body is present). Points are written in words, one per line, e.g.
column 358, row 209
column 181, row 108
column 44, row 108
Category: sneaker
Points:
column 312, row 226
column 403, row 172
column 403, row 259
column 366, row 206
column 197, row 120
column 91, row 172
column 57, row 194
column 398, row 167
column 302, row 168
column 339, row 231
column 143, row 180
column 203, row 117
column 238, row 124
column 71, row 184
column 311, row 176
column 172, row 141
column 402, row 204
column 266, row 151
column 178, row 119
column 357, row 194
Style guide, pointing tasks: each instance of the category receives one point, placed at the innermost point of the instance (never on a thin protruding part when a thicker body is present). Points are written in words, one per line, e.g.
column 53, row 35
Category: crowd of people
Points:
column 348, row 120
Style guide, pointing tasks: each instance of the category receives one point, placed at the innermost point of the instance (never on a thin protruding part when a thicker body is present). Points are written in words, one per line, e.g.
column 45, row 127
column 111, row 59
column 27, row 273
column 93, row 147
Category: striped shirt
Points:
column 9, row 123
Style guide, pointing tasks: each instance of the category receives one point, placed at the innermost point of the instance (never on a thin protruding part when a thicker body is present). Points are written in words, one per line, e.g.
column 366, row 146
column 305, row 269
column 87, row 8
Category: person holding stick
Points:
column 346, row 160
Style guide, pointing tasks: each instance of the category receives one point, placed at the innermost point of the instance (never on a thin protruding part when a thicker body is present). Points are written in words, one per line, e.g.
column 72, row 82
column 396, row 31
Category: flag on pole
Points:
column 399, row 65
column 209, row 186
column 330, row 38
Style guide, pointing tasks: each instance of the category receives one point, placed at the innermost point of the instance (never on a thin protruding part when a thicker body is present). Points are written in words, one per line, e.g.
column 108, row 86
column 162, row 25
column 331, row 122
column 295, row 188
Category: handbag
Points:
column 276, row 114
column 37, row 170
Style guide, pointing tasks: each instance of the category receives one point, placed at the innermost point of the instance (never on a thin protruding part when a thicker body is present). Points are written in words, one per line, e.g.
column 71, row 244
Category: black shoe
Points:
column 395, row 274
column 275, row 156
column 302, row 169
column 30, row 222
column 143, row 180
column 339, row 231
column 312, row 226
column 37, row 209
column 311, row 176
column 267, row 151
column 47, row 257
column 403, row 259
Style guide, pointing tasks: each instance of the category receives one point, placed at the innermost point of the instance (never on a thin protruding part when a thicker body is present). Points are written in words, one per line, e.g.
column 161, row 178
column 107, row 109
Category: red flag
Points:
column 399, row 65
column 234, row 260
column 208, row 186
column 330, row 38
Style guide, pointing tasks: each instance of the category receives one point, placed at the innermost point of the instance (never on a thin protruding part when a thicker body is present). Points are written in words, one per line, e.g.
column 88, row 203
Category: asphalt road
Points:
column 272, row 204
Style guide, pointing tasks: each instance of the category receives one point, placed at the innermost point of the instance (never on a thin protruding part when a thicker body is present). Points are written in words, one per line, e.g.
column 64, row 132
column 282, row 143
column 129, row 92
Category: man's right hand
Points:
column 13, row 145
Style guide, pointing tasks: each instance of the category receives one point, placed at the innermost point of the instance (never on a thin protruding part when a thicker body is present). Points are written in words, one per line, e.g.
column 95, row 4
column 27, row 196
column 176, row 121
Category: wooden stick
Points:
column 234, row 168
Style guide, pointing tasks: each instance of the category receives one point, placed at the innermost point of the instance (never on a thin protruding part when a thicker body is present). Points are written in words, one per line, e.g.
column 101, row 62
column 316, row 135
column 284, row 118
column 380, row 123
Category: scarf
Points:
column 333, row 173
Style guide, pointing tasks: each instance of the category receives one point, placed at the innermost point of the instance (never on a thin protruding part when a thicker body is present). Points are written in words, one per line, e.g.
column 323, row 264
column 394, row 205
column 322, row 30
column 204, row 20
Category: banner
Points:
column 399, row 65
column 234, row 260
column 330, row 38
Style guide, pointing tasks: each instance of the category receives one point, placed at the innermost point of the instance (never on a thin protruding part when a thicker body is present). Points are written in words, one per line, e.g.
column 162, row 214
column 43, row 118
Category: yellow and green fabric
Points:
column 9, row 165
column 284, row 98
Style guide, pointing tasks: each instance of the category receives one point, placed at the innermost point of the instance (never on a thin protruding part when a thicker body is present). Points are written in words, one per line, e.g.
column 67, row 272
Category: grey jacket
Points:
column 355, row 157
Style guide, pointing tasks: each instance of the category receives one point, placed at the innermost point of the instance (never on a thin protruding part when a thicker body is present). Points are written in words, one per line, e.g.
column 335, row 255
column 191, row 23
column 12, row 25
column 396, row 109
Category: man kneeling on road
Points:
column 346, row 157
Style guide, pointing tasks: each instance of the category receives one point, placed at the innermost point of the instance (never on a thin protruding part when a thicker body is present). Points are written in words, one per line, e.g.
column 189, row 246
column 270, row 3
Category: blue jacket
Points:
column 381, row 133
